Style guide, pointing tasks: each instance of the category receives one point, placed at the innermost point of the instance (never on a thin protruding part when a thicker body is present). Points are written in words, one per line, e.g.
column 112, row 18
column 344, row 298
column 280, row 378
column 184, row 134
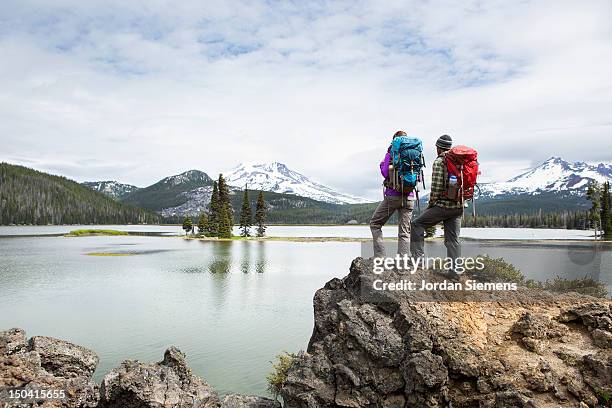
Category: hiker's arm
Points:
column 437, row 182
column 384, row 165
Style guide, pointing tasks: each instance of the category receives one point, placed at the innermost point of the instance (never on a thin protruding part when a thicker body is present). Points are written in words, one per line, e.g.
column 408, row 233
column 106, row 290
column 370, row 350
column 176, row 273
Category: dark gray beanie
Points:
column 444, row 142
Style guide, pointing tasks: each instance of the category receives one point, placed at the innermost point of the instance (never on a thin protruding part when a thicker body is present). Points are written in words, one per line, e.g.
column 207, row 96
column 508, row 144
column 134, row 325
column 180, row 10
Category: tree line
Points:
column 563, row 220
column 31, row 197
column 218, row 221
column 599, row 215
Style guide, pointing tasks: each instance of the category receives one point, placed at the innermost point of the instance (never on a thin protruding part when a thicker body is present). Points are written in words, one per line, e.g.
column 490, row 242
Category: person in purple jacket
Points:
column 392, row 201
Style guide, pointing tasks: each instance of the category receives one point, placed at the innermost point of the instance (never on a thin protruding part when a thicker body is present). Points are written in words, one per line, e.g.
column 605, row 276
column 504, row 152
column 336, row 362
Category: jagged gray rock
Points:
column 392, row 349
column 168, row 383
column 64, row 359
column 48, row 363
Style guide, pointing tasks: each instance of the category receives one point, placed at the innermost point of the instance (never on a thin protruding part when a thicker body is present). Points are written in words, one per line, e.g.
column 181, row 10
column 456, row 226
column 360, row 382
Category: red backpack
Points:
column 461, row 162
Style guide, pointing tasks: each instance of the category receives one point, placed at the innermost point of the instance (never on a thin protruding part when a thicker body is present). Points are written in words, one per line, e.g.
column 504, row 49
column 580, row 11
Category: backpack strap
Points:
column 444, row 170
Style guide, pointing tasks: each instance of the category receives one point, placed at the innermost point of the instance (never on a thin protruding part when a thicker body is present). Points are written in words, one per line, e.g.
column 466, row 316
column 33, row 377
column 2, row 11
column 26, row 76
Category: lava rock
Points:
column 168, row 383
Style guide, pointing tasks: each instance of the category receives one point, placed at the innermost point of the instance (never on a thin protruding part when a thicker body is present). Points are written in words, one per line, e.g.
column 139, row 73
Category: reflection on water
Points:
column 249, row 256
column 222, row 259
column 260, row 264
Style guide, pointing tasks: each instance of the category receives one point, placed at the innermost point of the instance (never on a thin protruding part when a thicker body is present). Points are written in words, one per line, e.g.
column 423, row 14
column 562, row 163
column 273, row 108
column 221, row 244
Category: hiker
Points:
column 393, row 200
column 440, row 209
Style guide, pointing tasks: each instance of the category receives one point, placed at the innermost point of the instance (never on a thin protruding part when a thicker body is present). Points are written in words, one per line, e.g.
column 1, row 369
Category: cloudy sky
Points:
column 139, row 90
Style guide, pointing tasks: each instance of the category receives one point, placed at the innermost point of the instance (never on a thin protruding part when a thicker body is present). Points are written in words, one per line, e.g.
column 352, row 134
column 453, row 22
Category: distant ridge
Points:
column 555, row 175
column 29, row 196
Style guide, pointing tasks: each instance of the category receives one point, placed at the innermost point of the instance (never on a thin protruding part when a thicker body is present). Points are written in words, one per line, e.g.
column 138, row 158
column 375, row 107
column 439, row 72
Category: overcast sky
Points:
column 138, row 90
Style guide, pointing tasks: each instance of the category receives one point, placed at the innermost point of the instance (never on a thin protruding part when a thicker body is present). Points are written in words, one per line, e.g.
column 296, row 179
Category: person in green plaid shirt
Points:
column 440, row 209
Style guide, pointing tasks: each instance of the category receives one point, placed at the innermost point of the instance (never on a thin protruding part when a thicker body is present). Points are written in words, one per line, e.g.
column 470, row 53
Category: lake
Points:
column 230, row 306
column 345, row 231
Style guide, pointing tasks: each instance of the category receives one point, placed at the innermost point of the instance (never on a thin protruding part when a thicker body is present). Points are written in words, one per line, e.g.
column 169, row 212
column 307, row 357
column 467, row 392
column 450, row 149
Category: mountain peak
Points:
column 278, row 178
column 553, row 175
column 188, row 176
column 111, row 188
column 555, row 159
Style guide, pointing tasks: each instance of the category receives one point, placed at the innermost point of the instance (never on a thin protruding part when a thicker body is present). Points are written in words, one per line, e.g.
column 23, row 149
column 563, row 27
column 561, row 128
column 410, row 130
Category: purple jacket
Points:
column 384, row 170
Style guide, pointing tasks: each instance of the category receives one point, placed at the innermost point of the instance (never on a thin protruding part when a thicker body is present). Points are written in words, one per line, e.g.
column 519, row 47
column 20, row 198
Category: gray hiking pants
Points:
column 451, row 217
column 381, row 215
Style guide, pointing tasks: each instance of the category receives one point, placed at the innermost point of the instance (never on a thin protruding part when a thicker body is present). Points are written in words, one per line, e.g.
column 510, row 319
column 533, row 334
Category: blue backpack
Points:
column 407, row 163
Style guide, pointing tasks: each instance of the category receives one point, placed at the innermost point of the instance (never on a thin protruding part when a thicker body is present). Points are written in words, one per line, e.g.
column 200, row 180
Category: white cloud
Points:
column 137, row 91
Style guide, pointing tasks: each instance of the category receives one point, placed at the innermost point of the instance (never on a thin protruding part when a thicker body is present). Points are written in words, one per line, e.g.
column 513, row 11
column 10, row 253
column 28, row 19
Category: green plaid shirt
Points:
column 436, row 196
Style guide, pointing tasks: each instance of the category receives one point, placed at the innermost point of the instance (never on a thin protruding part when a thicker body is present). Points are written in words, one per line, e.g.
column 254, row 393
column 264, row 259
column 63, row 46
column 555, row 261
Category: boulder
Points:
column 64, row 359
column 49, row 364
column 168, row 383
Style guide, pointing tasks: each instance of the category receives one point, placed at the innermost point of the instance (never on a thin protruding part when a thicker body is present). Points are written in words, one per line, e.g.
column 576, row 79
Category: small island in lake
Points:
column 94, row 232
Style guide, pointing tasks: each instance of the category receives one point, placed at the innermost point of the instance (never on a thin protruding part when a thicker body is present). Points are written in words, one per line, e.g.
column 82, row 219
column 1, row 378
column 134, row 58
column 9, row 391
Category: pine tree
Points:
column 593, row 194
column 225, row 228
column 260, row 215
column 187, row 225
column 606, row 216
column 203, row 224
column 245, row 215
column 213, row 212
column 224, row 198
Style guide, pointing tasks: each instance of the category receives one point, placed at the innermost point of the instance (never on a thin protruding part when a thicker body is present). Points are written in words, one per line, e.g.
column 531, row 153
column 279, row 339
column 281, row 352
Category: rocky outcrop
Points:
column 168, row 383
column 47, row 363
column 534, row 349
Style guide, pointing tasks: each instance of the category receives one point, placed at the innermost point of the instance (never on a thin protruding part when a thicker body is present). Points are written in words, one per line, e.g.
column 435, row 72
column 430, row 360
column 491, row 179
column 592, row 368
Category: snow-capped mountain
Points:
column 190, row 176
column 113, row 189
column 555, row 175
column 276, row 177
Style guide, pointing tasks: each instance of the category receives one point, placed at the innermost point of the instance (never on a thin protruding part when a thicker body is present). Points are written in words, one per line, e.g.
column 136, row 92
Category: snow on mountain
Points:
column 113, row 189
column 276, row 177
column 555, row 175
column 190, row 176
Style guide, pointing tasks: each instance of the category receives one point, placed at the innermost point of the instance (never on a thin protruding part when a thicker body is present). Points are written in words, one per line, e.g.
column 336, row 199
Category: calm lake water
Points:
column 346, row 231
column 230, row 306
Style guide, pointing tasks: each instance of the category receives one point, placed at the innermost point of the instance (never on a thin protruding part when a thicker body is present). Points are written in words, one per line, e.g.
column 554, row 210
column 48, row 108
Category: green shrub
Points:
column 603, row 396
column 585, row 286
column 280, row 368
column 497, row 269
